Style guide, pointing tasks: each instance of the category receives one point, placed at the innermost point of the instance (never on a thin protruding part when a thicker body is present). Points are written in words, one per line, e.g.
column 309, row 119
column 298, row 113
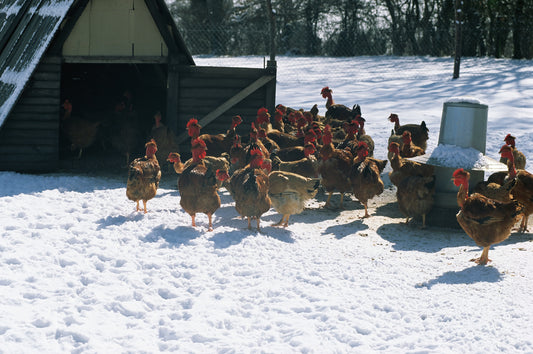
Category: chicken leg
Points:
column 193, row 217
column 144, row 204
column 283, row 222
column 210, row 217
column 327, row 205
column 484, row 259
column 367, row 215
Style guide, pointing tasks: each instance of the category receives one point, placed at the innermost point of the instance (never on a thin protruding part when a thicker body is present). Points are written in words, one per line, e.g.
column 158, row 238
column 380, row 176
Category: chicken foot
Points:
column 484, row 259
column 144, row 204
column 283, row 222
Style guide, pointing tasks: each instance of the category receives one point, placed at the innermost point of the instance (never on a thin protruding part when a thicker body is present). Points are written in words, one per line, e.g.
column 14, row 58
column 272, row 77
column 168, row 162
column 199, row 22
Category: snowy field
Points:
column 82, row 272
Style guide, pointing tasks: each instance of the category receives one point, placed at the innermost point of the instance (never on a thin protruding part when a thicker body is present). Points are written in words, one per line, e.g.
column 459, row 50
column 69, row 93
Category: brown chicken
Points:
column 519, row 157
column 278, row 123
column 402, row 168
column 499, row 192
column 237, row 155
column 523, row 189
column 164, row 137
column 295, row 153
column 334, row 168
column 249, row 188
column 365, row 177
column 419, row 132
column 415, row 196
column 337, row 112
column 198, row 184
column 485, row 220
column 80, row 132
column 255, row 143
column 307, row 166
column 263, row 119
column 409, row 149
column 216, row 144
column 289, row 191
column 270, row 144
column 143, row 176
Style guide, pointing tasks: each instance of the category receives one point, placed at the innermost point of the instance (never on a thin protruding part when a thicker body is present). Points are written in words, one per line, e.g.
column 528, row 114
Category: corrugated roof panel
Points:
column 10, row 11
column 26, row 46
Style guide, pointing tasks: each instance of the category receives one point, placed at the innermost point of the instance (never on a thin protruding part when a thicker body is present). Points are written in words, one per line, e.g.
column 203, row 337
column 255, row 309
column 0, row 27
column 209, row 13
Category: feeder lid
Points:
column 459, row 157
column 466, row 99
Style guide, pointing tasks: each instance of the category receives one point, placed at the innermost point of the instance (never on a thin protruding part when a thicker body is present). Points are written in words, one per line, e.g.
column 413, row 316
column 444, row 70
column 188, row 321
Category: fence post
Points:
column 458, row 37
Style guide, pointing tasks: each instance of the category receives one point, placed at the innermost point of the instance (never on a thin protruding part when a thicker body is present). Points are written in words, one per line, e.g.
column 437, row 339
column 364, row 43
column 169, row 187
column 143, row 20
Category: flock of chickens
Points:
column 283, row 162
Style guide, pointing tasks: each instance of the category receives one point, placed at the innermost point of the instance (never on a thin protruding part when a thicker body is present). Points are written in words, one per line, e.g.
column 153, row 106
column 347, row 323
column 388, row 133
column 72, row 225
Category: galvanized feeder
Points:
column 463, row 128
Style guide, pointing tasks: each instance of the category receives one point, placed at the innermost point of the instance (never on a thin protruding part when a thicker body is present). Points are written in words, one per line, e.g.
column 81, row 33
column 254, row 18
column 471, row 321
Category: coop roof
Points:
column 27, row 28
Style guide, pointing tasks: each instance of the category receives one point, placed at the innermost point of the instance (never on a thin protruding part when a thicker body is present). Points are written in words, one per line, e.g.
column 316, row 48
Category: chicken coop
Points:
column 108, row 66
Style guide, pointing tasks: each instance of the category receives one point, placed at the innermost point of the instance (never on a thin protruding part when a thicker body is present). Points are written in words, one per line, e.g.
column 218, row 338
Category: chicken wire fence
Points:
column 220, row 41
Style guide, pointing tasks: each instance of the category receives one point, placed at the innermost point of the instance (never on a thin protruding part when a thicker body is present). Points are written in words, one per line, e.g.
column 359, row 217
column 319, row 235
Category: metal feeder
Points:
column 463, row 125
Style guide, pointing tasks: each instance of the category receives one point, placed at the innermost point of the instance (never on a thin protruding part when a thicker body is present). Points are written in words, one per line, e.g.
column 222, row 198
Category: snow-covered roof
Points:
column 27, row 29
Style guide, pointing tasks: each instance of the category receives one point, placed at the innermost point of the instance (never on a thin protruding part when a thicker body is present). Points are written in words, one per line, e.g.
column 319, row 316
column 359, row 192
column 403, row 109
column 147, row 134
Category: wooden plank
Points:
column 115, row 60
column 230, row 103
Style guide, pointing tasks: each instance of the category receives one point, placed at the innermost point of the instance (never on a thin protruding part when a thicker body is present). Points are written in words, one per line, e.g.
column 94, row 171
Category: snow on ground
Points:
column 82, row 272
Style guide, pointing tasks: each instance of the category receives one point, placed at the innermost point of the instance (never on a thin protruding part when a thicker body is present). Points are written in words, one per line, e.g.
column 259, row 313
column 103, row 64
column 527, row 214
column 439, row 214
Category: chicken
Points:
column 289, row 191
column 80, row 132
column 485, row 220
column 314, row 111
column 409, row 149
column 500, row 192
column 237, row 155
column 255, row 143
column 337, row 112
column 365, row 176
column 307, row 166
column 350, row 140
column 396, row 139
column 164, row 138
column 249, row 188
column 211, row 162
column 295, row 153
column 193, row 128
column 263, row 119
column 216, row 144
column 519, row 157
column 402, row 168
column 270, row 144
column 415, row 196
column 198, row 184
column 334, row 167
column 523, row 189
column 419, row 132
column 143, row 176
column 278, row 123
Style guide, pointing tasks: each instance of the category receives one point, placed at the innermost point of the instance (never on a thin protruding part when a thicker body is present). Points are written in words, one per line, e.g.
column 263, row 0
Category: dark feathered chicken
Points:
column 249, row 188
column 519, row 157
column 198, row 185
column 523, row 189
column 334, row 168
column 402, row 168
column 485, row 220
column 419, row 132
column 365, row 176
column 415, row 196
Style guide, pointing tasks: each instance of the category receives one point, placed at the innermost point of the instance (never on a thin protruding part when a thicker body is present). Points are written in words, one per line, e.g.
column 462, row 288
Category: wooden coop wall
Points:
column 30, row 134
